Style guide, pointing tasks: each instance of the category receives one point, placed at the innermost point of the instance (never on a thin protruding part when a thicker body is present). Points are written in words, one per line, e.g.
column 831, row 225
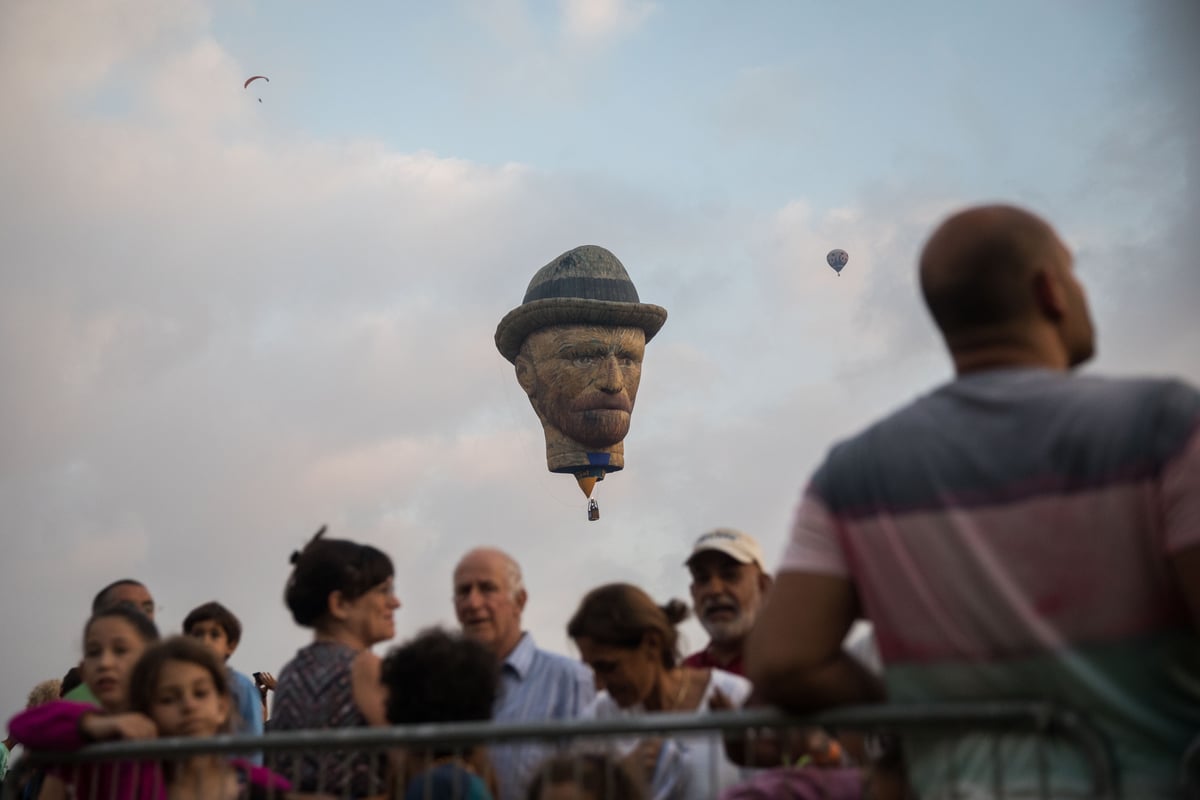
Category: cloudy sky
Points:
column 225, row 322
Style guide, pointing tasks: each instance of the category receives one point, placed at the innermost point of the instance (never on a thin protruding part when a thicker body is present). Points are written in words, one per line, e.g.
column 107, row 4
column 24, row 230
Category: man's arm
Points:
column 1180, row 497
column 794, row 654
column 1186, row 565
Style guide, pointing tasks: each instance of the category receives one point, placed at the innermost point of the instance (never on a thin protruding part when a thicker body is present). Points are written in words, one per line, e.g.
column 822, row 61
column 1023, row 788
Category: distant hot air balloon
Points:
column 254, row 78
column 837, row 259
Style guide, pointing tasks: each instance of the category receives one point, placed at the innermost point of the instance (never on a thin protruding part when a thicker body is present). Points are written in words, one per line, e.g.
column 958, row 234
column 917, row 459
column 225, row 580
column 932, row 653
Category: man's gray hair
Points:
column 516, row 583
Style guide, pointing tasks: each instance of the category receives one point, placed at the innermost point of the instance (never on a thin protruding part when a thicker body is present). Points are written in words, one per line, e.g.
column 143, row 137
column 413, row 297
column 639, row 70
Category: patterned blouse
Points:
column 314, row 692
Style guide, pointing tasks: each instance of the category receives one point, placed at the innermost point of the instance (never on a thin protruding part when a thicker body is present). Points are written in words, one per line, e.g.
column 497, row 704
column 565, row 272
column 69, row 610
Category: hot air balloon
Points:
column 254, row 78
column 837, row 259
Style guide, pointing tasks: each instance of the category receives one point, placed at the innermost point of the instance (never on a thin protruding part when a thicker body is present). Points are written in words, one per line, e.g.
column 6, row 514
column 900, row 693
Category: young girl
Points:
column 183, row 687
column 344, row 592
column 113, row 640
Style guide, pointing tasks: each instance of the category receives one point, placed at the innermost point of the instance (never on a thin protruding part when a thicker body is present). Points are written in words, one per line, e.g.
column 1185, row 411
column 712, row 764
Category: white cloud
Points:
column 593, row 21
column 530, row 53
column 216, row 335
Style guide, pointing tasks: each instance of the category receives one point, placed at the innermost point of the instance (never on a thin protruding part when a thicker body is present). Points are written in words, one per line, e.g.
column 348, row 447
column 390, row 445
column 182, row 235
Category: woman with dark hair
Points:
column 344, row 591
column 632, row 646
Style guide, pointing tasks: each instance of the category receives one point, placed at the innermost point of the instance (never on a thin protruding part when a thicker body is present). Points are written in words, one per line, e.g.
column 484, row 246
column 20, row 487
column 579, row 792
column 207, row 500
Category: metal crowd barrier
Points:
column 1191, row 771
column 997, row 721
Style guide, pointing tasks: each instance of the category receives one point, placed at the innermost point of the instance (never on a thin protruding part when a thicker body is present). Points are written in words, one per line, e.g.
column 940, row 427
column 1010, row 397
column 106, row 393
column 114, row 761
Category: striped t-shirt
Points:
column 1009, row 537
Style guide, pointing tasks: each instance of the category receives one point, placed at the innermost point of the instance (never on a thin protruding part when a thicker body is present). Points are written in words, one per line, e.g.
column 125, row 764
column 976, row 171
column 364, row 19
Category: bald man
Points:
column 535, row 685
column 1020, row 532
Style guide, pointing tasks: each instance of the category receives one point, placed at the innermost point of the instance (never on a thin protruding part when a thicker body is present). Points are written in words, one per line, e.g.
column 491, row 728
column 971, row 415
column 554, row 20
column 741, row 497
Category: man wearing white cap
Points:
column 729, row 584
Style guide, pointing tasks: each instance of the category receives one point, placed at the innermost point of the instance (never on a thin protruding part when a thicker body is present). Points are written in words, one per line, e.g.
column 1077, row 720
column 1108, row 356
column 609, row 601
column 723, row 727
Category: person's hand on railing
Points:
column 719, row 701
column 770, row 748
column 643, row 759
column 100, row 727
column 812, row 746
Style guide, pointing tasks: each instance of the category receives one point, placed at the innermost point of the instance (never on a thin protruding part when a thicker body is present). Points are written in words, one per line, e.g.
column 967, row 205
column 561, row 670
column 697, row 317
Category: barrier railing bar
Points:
column 1028, row 717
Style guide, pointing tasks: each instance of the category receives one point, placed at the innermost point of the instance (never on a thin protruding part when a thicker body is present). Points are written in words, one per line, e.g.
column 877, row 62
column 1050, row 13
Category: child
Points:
column 183, row 687
column 216, row 626
column 441, row 677
column 113, row 640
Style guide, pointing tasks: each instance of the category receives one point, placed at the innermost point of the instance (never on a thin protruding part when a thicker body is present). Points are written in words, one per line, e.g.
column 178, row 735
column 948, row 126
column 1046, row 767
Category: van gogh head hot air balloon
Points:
column 577, row 342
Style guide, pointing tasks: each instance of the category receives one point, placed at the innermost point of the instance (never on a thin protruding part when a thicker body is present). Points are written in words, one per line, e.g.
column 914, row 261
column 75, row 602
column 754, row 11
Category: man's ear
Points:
column 521, row 597
column 1048, row 291
column 526, row 373
column 764, row 583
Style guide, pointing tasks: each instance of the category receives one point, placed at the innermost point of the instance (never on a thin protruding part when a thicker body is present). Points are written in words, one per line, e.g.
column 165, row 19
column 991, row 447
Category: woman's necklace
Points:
column 683, row 682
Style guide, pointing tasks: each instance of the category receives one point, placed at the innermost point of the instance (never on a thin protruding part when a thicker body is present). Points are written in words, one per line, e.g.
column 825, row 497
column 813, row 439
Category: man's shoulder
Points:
column 559, row 664
column 1131, row 392
column 1146, row 413
column 1148, row 418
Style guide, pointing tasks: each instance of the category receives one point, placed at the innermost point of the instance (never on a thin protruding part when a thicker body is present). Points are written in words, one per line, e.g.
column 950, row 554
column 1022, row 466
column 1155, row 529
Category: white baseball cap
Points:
column 741, row 547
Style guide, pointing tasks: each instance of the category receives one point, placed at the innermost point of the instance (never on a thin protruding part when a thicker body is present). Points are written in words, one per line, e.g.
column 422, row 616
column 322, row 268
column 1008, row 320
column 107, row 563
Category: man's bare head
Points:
column 489, row 597
column 998, row 279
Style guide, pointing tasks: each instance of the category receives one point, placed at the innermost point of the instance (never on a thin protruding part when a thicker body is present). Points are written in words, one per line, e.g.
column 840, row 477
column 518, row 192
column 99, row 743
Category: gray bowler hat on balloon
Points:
column 587, row 285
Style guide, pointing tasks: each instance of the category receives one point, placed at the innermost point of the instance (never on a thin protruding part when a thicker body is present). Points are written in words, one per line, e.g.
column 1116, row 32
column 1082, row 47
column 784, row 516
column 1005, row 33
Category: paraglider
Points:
column 837, row 259
column 254, row 78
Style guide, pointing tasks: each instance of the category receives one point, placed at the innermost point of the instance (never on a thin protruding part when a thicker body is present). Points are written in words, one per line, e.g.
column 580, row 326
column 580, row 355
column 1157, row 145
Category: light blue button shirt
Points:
column 249, row 705
column 535, row 685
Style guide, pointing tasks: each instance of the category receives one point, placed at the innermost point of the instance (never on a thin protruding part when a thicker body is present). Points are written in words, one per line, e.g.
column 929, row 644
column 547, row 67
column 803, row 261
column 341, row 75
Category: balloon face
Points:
column 583, row 379
column 837, row 259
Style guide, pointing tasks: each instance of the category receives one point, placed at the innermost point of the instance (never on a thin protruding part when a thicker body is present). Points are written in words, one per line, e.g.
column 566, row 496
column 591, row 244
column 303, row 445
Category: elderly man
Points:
column 489, row 598
column 1020, row 532
column 729, row 584
column 577, row 343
